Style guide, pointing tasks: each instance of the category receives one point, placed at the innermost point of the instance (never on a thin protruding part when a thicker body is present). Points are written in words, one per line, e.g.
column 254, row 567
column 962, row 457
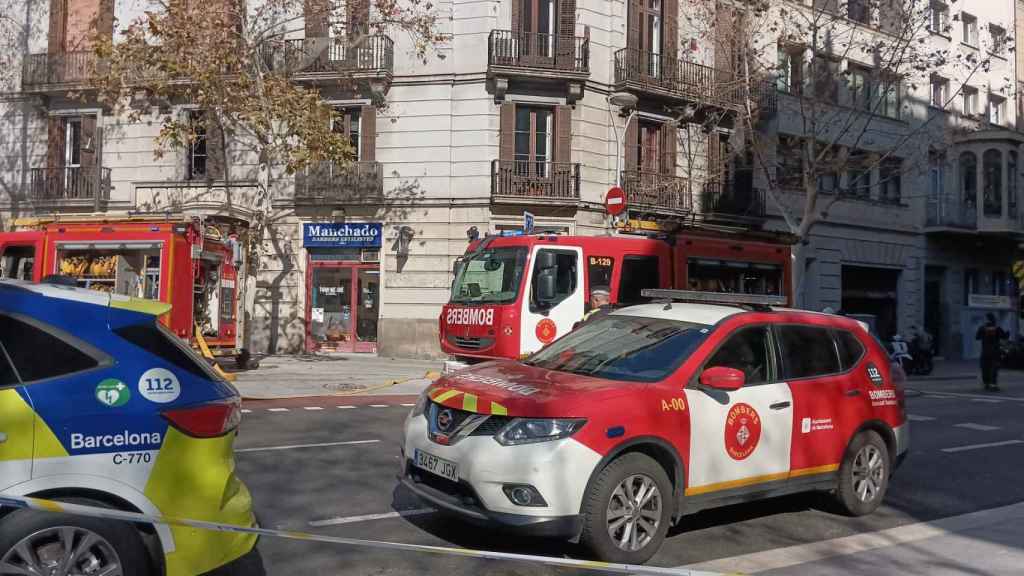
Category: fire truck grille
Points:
column 489, row 427
column 470, row 343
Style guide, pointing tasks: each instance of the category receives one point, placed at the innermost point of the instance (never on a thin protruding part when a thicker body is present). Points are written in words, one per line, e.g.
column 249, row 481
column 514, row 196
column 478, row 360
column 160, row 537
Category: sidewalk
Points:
column 281, row 377
column 964, row 376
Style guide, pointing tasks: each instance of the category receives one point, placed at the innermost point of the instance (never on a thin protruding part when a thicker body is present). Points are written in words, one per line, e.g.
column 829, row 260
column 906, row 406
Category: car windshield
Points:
column 492, row 276
column 619, row 347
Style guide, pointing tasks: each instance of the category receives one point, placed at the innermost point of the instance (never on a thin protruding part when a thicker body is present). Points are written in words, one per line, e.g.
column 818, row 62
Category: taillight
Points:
column 207, row 420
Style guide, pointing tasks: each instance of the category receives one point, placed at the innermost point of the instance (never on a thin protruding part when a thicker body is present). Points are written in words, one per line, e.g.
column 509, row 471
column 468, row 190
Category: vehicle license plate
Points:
column 440, row 466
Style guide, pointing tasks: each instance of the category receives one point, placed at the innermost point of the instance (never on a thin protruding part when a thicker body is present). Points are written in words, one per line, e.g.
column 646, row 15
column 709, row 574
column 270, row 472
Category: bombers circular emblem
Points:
column 546, row 330
column 444, row 421
column 742, row 431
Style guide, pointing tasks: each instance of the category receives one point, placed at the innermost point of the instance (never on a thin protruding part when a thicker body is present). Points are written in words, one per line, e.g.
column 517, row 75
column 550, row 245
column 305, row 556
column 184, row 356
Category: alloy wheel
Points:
column 62, row 551
column 868, row 473
column 634, row 512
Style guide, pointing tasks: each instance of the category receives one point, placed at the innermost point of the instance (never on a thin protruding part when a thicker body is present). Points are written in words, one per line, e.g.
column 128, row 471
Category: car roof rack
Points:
column 758, row 302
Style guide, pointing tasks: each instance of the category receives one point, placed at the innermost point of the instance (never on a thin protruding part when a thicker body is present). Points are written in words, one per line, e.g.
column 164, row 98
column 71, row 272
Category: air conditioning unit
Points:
column 370, row 256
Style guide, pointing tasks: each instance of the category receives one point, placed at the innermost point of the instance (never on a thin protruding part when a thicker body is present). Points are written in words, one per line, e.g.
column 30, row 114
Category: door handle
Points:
column 852, row 393
column 780, row 405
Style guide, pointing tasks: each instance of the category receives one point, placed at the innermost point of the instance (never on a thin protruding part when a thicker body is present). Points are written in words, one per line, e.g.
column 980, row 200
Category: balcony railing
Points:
column 678, row 78
column 69, row 185
column 732, row 202
column 325, row 55
column 654, row 192
column 41, row 70
column 514, row 49
column 327, row 182
column 527, row 180
column 950, row 211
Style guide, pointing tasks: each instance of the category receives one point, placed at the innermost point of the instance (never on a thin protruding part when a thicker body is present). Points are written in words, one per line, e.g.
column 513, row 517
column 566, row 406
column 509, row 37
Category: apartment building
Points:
column 542, row 106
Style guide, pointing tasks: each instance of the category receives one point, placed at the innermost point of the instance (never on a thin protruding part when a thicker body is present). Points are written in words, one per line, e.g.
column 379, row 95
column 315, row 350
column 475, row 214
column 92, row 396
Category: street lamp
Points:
column 623, row 100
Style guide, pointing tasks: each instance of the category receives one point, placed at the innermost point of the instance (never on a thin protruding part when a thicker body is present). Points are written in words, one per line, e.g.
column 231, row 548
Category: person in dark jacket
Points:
column 990, row 335
column 600, row 305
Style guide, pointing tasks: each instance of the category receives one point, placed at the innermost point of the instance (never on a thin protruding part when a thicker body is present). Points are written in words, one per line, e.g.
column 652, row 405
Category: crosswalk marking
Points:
column 277, row 409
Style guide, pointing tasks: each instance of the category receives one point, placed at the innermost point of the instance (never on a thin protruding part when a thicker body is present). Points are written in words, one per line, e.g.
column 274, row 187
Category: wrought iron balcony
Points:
column 70, row 187
column 330, row 183
column 516, row 52
column 535, row 181
column 327, row 57
column 656, row 75
column 655, row 192
column 41, row 72
column 732, row 202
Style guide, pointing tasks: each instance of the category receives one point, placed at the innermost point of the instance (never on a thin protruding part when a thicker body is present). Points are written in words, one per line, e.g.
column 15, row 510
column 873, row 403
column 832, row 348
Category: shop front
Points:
column 342, row 286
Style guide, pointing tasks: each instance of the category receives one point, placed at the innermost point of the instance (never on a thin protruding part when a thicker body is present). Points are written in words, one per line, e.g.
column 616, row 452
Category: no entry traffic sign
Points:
column 615, row 201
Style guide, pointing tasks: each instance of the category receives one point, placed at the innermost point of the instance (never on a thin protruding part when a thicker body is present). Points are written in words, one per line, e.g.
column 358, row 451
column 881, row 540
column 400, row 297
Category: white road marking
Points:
column 986, row 445
column 779, row 558
column 368, row 517
column 346, row 407
column 378, row 405
column 916, row 418
column 986, row 400
column 246, row 411
column 296, row 446
column 277, row 409
column 408, row 405
column 952, row 395
column 978, row 427
column 312, row 408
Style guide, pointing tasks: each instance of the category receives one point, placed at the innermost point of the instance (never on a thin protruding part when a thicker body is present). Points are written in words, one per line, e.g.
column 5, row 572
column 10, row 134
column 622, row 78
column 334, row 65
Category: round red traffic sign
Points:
column 615, row 201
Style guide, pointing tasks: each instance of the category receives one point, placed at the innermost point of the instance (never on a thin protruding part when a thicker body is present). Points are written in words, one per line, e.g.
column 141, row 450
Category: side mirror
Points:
column 546, row 259
column 457, row 266
column 492, row 265
column 545, row 286
column 722, row 378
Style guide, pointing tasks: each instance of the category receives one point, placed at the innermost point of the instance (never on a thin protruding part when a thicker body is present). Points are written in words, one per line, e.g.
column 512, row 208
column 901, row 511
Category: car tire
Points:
column 863, row 475
column 608, row 497
column 117, row 541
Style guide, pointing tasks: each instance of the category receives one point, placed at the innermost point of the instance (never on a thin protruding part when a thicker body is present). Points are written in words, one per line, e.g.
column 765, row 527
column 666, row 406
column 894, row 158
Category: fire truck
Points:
column 514, row 294
column 188, row 263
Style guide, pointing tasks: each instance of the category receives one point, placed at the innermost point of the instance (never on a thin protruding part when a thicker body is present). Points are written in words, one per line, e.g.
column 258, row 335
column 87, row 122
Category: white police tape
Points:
column 108, row 514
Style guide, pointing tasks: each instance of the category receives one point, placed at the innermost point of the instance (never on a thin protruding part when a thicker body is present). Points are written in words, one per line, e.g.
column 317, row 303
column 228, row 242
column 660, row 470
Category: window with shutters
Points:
column 858, row 80
column 858, row 175
column 347, row 122
column 72, row 141
column 534, row 136
column 197, row 149
column 790, row 69
column 651, row 34
column 649, row 152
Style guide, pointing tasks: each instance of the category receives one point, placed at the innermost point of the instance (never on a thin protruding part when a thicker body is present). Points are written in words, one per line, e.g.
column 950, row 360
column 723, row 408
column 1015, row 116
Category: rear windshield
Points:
column 162, row 343
column 631, row 348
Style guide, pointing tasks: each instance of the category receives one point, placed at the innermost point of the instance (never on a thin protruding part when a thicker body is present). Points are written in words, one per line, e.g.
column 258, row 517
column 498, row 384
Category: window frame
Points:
column 348, row 121
column 622, row 274
column 782, row 358
column 997, row 106
column 198, row 120
column 860, row 357
column 970, row 29
column 774, row 352
column 940, row 10
column 532, row 158
column 942, row 83
column 969, row 95
column 102, row 359
column 999, row 40
column 535, row 308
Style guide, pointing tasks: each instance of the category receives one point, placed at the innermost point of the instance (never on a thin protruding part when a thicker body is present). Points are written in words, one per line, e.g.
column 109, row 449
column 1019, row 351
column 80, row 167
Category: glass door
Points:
column 343, row 303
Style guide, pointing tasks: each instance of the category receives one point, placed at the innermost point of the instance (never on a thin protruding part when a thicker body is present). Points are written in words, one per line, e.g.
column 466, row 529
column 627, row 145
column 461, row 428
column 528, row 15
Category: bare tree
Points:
column 863, row 88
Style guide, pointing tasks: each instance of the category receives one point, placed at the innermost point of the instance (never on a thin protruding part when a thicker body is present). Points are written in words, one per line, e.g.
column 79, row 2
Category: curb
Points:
column 430, row 375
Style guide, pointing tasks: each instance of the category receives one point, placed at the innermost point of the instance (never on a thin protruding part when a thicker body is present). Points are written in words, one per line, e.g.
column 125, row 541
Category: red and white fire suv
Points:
column 616, row 431
column 513, row 295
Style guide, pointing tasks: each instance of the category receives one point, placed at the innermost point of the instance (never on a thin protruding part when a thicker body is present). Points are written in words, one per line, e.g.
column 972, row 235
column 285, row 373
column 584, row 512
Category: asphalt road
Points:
column 345, row 486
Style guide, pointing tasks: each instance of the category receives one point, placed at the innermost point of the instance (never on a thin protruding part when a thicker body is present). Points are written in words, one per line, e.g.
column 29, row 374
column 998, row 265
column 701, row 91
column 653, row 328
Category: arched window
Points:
column 992, row 195
column 1011, row 186
column 969, row 179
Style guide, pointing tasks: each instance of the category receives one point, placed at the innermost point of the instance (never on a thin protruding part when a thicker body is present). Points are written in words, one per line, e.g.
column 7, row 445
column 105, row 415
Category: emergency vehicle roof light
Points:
column 726, row 298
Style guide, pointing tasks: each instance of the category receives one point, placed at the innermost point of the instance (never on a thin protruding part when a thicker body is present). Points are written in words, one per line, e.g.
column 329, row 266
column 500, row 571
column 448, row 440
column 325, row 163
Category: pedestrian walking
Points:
column 990, row 335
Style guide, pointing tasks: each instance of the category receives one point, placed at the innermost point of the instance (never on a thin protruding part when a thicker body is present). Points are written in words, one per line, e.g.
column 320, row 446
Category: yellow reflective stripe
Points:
column 469, row 402
column 50, row 506
column 696, row 490
column 141, row 305
column 446, row 395
column 498, row 409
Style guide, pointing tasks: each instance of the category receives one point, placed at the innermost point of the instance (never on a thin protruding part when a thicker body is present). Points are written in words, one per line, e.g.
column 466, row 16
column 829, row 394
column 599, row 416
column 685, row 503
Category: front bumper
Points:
column 902, row 434
column 558, row 470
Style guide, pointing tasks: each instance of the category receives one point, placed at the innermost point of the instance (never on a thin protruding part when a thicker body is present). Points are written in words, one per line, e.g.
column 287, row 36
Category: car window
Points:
column 38, row 352
column 850, row 349
column 565, row 276
column 638, row 273
column 154, row 338
column 599, row 271
column 748, row 351
column 7, row 375
column 807, row 351
column 619, row 347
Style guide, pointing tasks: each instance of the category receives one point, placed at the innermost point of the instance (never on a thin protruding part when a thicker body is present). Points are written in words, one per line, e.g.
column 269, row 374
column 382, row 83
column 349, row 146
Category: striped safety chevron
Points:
column 460, row 400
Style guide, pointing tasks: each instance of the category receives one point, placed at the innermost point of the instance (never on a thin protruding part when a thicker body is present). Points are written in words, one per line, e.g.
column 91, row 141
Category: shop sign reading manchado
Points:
column 342, row 235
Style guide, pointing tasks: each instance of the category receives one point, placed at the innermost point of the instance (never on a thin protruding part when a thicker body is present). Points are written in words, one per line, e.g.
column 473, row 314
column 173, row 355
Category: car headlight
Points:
column 531, row 430
column 421, row 405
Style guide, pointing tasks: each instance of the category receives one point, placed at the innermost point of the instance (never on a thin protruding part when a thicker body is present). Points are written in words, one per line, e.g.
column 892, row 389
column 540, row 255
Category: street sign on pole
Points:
column 527, row 223
column 615, row 201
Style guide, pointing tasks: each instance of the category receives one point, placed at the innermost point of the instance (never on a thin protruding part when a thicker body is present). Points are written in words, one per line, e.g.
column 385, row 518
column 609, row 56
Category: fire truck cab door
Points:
column 18, row 258
column 545, row 319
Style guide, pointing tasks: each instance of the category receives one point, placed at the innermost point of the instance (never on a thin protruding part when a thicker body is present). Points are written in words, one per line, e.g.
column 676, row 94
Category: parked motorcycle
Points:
column 921, row 362
column 899, row 353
